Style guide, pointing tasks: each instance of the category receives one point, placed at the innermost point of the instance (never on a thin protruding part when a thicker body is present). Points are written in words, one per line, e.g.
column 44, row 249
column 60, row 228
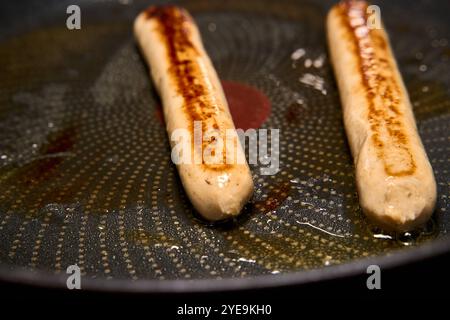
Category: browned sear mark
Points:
column 382, row 90
column 186, row 71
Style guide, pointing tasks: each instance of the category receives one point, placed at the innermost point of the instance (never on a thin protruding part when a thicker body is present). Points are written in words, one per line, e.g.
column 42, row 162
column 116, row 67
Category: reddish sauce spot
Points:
column 249, row 107
column 382, row 90
column 275, row 198
column 159, row 114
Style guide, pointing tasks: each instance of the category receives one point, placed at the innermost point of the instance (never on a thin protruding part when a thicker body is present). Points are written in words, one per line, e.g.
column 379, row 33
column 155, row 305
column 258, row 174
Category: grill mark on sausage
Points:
column 187, row 74
column 382, row 90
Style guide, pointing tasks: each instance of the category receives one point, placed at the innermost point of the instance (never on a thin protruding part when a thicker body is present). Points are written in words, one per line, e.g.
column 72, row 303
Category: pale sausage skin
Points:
column 395, row 181
column 190, row 91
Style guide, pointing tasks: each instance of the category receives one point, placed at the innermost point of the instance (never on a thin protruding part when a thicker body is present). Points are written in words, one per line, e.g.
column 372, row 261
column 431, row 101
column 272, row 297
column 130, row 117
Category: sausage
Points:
column 394, row 178
column 190, row 91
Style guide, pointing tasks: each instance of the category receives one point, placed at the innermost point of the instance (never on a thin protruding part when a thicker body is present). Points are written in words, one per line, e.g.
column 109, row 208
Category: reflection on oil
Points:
column 423, row 233
column 320, row 229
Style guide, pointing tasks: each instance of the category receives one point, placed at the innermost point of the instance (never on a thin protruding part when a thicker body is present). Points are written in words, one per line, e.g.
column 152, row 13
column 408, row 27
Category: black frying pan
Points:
column 85, row 170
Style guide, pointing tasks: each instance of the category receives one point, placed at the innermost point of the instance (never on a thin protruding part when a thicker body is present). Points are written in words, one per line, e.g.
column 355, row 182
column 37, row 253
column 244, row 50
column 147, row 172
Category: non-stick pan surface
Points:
column 85, row 171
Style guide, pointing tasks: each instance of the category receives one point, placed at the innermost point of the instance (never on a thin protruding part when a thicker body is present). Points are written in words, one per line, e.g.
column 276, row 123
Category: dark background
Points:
column 427, row 279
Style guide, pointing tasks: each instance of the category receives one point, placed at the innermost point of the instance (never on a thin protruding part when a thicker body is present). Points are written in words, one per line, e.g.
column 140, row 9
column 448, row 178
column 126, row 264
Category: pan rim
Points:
column 356, row 267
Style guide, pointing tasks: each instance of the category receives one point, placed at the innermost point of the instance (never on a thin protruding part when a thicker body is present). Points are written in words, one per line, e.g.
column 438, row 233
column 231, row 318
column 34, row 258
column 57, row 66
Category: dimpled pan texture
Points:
column 85, row 171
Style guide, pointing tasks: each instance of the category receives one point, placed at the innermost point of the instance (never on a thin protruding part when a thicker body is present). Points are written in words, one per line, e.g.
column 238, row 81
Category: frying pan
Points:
column 85, row 170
